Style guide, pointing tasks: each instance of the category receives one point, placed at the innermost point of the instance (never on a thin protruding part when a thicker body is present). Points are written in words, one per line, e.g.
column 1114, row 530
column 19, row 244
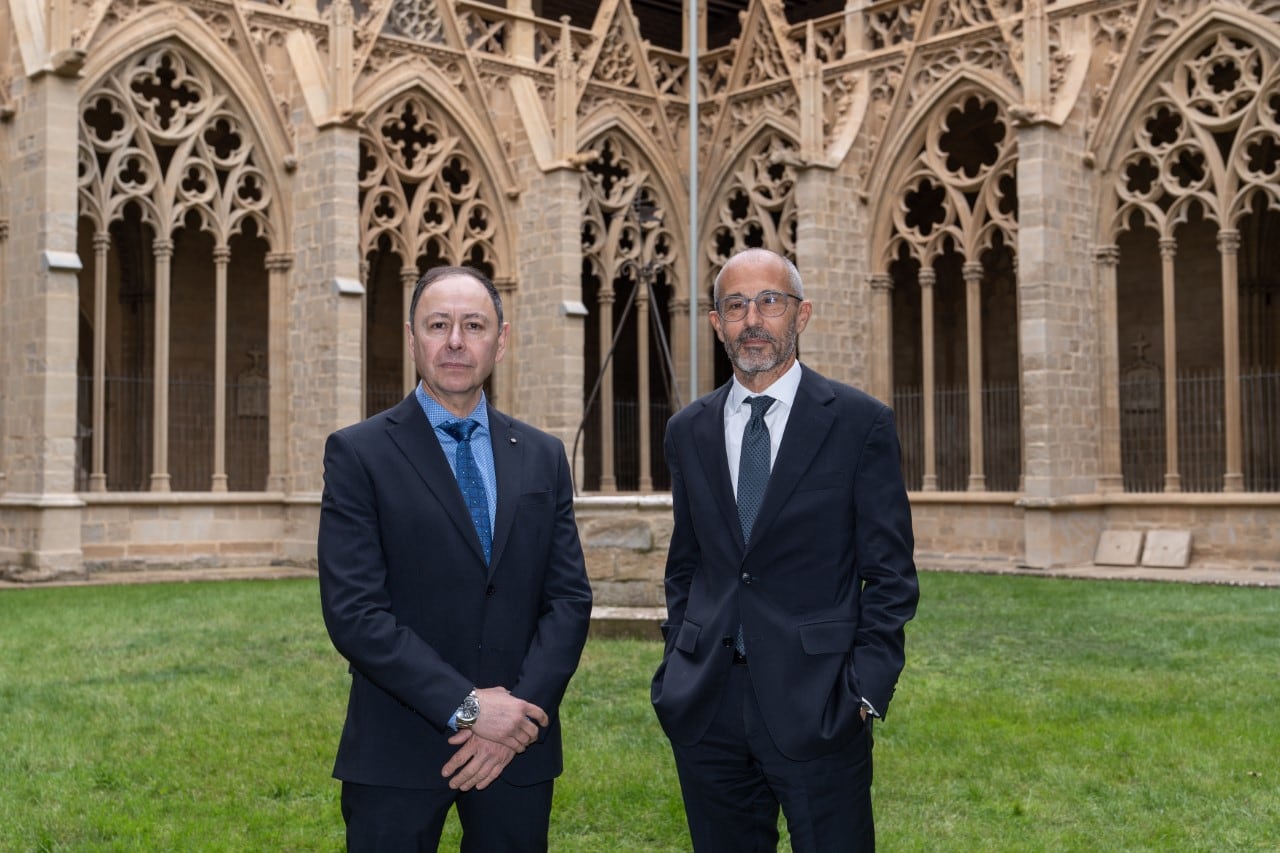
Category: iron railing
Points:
column 128, row 428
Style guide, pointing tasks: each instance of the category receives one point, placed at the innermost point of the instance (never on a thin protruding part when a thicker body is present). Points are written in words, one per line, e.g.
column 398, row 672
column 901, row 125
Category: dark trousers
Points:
column 498, row 819
column 734, row 781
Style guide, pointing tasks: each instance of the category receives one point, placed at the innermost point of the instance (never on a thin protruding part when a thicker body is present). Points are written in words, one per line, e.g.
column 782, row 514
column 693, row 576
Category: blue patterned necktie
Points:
column 753, row 476
column 470, row 481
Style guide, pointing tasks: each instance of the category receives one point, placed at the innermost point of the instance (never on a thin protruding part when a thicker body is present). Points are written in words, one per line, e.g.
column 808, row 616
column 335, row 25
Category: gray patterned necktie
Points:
column 753, row 465
column 470, row 481
column 753, row 476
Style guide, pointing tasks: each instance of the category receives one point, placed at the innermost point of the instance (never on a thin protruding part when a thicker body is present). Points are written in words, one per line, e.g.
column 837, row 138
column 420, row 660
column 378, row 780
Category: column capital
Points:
column 1168, row 247
column 972, row 270
column 927, row 277
column 4, row 228
column 1107, row 256
column 162, row 248
column 279, row 261
column 101, row 241
column 1228, row 241
column 222, row 254
column 880, row 281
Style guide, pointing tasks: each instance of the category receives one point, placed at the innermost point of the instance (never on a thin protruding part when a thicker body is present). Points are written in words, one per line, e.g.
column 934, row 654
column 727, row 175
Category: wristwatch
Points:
column 468, row 711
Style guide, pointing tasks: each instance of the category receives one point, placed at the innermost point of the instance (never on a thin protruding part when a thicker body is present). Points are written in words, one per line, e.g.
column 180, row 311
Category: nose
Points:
column 455, row 336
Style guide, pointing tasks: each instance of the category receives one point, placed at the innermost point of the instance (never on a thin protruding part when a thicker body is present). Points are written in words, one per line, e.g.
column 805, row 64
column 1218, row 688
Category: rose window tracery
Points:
column 422, row 194
column 759, row 208
column 154, row 134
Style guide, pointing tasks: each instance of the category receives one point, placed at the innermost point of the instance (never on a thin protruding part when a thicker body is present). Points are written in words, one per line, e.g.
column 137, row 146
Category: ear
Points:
column 502, row 342
column 802, row 315
column 714, row 317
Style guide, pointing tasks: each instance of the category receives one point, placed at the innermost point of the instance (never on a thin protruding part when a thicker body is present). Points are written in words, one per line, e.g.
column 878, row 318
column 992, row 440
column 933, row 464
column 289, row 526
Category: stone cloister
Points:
column 1047, row 232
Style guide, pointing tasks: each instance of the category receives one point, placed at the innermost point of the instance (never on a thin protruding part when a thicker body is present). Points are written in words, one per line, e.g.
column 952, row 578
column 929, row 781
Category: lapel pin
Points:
column 513, row 439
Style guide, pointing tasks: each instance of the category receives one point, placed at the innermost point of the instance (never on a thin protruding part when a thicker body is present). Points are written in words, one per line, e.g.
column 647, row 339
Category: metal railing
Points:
column 1001, row 436
column 1201, row 431
column 127, row 447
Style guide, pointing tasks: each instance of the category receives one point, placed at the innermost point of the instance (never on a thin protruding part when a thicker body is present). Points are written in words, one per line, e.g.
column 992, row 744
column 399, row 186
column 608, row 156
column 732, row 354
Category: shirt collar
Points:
column 438, row 414
column 783, row 389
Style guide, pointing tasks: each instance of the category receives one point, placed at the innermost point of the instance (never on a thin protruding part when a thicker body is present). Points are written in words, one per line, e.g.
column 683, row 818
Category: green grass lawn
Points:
column 1034, row 714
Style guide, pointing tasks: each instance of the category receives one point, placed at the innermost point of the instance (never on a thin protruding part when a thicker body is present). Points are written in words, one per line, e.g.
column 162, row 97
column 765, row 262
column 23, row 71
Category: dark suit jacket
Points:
column 823, row 589
column 409, row 602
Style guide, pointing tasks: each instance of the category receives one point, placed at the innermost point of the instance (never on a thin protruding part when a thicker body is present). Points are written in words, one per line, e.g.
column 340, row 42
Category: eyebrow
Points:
column 470, row 315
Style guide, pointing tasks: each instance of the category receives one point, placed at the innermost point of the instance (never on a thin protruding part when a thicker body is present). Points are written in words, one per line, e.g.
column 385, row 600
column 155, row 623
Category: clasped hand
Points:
column 506, row 726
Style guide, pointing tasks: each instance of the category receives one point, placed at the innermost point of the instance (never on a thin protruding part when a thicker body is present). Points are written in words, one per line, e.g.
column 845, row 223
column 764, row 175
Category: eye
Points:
column 769, row 297
column 733, row 303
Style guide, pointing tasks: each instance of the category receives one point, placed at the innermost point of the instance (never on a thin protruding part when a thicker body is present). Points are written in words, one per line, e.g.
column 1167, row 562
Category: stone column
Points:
column 1057, row 323
column 163, row 251
column 547, row 335
column 927, row 279
column 408, row 279
column 604, row 398
column 40, row 511
column 323, row 326
column 1172, row 479
column 221, row 257
column 830, row 253
column 973, row 346
column 97, row 465
column 642, row 380
column 278, row 427
column 1229, row 248
column 4, row 354
column 880, row 351
column 1110, row 473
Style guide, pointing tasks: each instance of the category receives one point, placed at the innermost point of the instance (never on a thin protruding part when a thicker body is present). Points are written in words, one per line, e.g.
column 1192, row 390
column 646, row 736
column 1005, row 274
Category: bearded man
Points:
column 789, row 580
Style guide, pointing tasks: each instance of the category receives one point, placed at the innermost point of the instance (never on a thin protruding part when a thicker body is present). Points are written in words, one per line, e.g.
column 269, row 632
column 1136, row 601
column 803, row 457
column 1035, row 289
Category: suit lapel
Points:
column 508, row 462
column 708, row 437
column 411, row 432
column 810, row 421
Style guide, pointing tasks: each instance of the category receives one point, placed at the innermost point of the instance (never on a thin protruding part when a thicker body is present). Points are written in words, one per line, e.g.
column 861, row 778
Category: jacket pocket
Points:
column 831, row 637
column 687, row 639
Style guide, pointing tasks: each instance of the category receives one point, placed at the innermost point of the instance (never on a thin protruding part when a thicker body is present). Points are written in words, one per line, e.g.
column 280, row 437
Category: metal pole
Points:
column 694, row 286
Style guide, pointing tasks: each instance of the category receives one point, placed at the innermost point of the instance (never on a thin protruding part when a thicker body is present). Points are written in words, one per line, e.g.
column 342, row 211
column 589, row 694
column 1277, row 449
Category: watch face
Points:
column 469, row 711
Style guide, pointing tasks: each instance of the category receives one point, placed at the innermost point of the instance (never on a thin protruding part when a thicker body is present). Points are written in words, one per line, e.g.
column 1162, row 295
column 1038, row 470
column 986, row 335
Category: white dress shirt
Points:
column 736, row 416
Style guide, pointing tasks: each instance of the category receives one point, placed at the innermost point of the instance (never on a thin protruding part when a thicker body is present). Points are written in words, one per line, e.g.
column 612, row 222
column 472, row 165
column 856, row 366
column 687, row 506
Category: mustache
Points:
column 756, row 334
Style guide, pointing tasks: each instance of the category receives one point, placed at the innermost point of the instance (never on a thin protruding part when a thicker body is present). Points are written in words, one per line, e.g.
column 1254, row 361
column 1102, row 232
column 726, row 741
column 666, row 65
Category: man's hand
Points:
column 476, row 763
column 505, row 727
column 506, row 720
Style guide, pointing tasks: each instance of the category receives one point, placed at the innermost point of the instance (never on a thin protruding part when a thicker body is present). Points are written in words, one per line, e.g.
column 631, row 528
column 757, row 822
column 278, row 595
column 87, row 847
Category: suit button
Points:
column 490, row 589
column 727, row 641
column 746, row 578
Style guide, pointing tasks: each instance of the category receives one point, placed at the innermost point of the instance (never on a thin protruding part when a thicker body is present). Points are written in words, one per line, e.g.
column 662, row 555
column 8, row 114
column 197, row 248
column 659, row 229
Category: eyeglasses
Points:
column 770, row 303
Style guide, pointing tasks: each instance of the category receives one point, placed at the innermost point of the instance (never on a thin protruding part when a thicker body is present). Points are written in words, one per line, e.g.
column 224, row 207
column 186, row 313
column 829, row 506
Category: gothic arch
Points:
column 248, row 92
column 1190, row 187
column 751, row 201
column 427, row 198
column 663, row 178
column 945, row 232
column 631, row 258
column 431, row 83
column 898, row 155
column 183, row 211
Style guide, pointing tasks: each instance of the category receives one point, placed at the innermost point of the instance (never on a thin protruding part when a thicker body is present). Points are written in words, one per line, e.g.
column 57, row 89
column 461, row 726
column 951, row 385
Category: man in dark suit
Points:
column 789, row 580
column 452, row 580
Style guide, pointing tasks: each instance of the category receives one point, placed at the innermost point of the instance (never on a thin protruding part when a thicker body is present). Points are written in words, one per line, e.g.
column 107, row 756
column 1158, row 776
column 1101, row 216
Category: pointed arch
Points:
column 631, row 257
column 944, row 232
column 429, row 196
column 245, row 92
column 1190, row 186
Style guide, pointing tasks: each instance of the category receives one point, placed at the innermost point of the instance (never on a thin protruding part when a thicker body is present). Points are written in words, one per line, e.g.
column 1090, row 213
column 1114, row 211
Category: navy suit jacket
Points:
column 822, row 590
column 409, row 602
